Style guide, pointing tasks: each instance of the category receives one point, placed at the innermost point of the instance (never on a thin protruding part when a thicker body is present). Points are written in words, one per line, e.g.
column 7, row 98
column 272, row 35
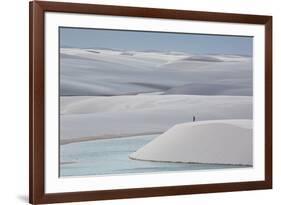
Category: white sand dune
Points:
column 103, row 72
column 90, row 118
column 213, row 142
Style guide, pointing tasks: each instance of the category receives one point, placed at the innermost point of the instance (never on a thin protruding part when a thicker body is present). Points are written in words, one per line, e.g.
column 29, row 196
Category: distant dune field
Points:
column 109, row 72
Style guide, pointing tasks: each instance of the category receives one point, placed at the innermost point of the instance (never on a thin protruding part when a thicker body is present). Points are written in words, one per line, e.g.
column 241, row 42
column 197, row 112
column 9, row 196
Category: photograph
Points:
column 138, row 102
column 133, row 102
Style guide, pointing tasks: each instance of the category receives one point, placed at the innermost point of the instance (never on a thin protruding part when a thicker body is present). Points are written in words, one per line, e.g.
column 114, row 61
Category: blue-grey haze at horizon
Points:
column 159, row 41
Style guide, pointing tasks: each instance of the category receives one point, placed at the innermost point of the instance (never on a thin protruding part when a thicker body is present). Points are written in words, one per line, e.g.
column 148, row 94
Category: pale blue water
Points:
column 110, row 156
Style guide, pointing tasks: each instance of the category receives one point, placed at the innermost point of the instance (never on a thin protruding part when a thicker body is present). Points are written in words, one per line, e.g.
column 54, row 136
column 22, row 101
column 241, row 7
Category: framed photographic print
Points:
column 132, row 102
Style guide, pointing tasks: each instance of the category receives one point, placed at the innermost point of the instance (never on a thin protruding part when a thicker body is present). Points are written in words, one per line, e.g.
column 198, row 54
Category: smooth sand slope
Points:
column 214, row 142
column 90, row 118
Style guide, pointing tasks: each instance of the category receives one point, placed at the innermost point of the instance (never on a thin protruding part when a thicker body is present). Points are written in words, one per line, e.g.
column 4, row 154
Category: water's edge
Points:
column 111, row 157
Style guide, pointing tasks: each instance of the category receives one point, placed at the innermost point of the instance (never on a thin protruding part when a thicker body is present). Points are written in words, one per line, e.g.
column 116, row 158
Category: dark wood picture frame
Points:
column 37, row 193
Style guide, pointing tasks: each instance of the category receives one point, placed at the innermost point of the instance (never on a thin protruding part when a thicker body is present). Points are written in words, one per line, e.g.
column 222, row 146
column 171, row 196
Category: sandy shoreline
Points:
column 103, row 137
